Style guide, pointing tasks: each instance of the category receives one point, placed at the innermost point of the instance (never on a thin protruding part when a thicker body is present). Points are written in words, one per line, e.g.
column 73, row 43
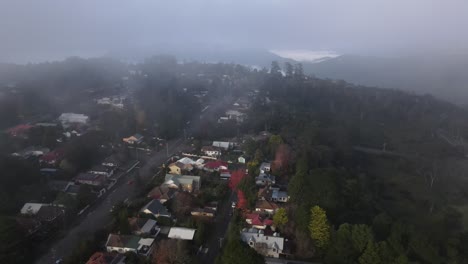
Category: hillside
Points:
column 441, row 76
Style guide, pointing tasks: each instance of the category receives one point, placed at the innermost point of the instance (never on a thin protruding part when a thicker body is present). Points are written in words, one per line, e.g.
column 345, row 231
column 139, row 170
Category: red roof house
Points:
column 216, row 165
column 19, row 130
column 52, row 157
column 256, row 220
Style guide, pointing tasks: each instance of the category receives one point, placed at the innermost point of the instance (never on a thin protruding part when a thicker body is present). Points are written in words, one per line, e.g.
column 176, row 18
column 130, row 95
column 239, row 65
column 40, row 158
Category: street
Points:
column 97, row 216
column 219, row 232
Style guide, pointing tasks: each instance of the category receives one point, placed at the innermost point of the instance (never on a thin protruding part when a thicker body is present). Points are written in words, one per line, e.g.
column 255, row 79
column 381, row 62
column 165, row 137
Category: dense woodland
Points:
column 389, row 188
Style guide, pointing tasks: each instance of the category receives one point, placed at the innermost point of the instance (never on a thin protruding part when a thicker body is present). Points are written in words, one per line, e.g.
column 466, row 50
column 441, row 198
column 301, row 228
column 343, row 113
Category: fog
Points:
column 52, row 29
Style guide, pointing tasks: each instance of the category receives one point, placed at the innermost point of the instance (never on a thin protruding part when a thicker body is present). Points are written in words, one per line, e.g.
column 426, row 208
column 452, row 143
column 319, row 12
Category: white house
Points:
column 31, row 208
column 241, row 159
column 279, row 196
column 71, row 118
column 211, row 151
column 268, row 246
column 222, row 144
column 235, row 115
column 265, row 167
column 129, row 243
column 181, row 233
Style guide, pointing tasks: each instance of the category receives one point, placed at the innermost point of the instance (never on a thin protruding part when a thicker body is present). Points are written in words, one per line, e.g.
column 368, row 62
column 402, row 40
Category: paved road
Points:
column 98, row 215
column 221, row 225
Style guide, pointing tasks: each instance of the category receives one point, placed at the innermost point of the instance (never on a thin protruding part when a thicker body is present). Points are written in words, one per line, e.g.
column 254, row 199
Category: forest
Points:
column 373, row 174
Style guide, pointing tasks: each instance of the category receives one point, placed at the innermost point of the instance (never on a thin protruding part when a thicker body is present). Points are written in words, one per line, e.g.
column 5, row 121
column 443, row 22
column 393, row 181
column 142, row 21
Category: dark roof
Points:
column 86, row 176
column 161, row 192
column 136, row 224
column 266, row 205
column 156, row 207
column 49, row 213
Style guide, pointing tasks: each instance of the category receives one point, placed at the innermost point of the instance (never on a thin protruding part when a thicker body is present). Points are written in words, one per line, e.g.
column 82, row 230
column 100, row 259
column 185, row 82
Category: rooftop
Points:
column 181, row 233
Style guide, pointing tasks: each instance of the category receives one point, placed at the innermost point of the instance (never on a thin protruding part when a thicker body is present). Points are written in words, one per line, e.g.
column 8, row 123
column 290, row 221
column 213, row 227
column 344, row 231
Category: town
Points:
column 141, row 196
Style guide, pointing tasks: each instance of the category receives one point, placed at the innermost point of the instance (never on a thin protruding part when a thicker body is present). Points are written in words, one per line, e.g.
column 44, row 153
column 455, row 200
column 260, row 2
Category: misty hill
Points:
column 441, row 76
column 204, row 53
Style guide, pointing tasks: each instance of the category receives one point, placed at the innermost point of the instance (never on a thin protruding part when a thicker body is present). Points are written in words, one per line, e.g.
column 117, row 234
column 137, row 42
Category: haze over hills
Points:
column 442, row 76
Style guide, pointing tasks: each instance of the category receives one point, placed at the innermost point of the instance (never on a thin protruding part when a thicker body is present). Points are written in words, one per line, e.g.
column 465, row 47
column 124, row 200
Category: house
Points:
column 266, row 206
column 50, row 213
column 186, row 183
column 115, row 101
column 68, row 119
column 222, row 145
column 102, row 170
column 235, row 115
column 216, row 165
column 43, row 212
column 129, row 243
column 31, row 152
column 225, row 174
column 110, row 162
column 143, row 226
column 279, row 196
column 272, row 194
column 265, row 167
column 268, row 246
column 60, row 186
column 135, row 139
column 155, row 208
column 72, row 189
column 178, row 167
column 241, row 159
column 90, row 179
column 256, row 220
column 211, row 151
column 31, row 208
column 212, row 205
column 162, row 193
column 19, row 130
column 53, row 157
column 106, row 258
column 181, row 233
column 264, row 193
column 208, row 212
column 265, row 179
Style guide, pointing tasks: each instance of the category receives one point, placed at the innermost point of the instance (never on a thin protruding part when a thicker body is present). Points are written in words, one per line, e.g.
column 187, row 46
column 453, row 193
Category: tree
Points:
column 275, row 69
column 123, row 224
column 319, row 227
column 288, row 69
column 280, row 218
column 259, row 155
column 183, row 203
column 370, row 255
column 361, row 235
column 171, row 251
column 298, row 71
column 273, row 143
column 282, row 159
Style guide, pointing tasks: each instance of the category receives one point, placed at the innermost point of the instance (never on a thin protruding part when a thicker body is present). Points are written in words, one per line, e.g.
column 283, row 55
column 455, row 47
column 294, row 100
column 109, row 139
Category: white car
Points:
column 233, row 205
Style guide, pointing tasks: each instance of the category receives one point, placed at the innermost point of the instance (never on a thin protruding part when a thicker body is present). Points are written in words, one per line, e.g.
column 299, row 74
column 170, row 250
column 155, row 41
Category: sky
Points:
column 36, row 30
